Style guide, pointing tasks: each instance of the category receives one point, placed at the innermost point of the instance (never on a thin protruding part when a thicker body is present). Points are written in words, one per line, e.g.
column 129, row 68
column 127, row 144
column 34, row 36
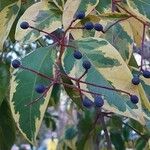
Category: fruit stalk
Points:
column 142, row 46
column 102, row 120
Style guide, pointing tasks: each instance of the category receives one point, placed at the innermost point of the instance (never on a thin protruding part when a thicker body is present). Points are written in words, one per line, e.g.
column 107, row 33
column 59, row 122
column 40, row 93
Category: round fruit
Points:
column 24, row 25
column 136, row 80
column 16, row 63
column 40, row 88
column 86, row 64
column 98, row 27
column 146, row 73
column 87, row 102
column 88, row 26
column 98, row 101
column 134, row 99
column 77, row 54
column 80, row 15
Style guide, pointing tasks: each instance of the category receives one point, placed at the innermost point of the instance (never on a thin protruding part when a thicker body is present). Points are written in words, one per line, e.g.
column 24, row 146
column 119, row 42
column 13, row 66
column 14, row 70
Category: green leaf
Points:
column 72, row 93
column 136, row 30
column 85, row 126
column 5, row 3
column 24, row 6
column 104, row 58
column 121, row 37
column 44, row 16
column 117, row 140
column 70, row 133
column 59, row 4
column 136, row 125
column 85, row 33
column 126, row 133
column 144, row 94
column 104, row 6
column 140, row 8
column 7, row 17
column 4, row 80
column 55, row 96
column 22, row 91
column 113, row 16
column 7, row 127
column 115, row 122
column 140, row 144
column 72, row 6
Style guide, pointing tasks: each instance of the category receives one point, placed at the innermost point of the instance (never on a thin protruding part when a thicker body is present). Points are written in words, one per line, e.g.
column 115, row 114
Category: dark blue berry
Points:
column 136, row 80
column 98, row 27
column 40, row 88
column 88, row 26
column 77, row 54
column 24, row 25
column 146, row 73
column 134, row 99
column 80, row 15
column 87, row 102
column 16, row 63
column 86, row 64
column 98, row 101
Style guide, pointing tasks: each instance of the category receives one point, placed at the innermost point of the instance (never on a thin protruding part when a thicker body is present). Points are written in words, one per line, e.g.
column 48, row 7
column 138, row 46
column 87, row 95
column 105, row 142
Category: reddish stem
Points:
column 76, row 28
column 116, row 23
column 142, row 47
column 78, row 83
column 37, row 99
column 82, row 90
column 95, row 85
column 102, row 120
column 85, row 72
column 52, row 35
column 62, row 43
column 68, row 46
column 38, row 73
column 132, row 15
column 113, row 5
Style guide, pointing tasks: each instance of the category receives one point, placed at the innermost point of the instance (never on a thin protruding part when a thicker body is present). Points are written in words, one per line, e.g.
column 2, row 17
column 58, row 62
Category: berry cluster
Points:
column 40, row 88
column 86, row 64
column 89, row 25
column 136, row 78
column 98, row 102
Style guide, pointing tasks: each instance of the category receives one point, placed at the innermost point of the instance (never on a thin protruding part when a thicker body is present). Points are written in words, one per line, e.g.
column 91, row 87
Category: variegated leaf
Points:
column 108, row 69
column 104, row 6
column 121, row 37
column 5, row 3
column 136, row 30
column 4, row 80
column 80, row 33
column 7, row 127
column 140, row 8
column 44, row 16
column 22, row 92
column 72, row 6
column 7, row 17
column 113, row 16
column 144, row 94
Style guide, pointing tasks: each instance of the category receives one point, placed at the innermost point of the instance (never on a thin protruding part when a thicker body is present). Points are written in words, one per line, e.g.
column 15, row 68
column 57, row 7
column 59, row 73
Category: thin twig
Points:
column 101, row 116
column 142, row 47
column 38, row 73
column 50, row 34
column 37, row 99
column 95, row 85
column 132, row 15
column 116, row 23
